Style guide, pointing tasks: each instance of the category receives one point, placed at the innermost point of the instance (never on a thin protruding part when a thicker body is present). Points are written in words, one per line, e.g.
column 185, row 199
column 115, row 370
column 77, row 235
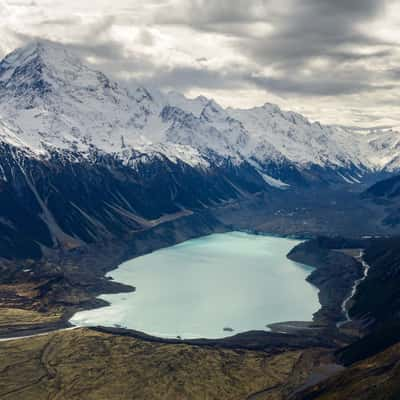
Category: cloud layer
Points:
column 336, row 61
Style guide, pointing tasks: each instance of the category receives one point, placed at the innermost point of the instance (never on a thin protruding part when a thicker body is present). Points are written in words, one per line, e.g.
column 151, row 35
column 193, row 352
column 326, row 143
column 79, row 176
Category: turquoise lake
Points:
column 210, row 287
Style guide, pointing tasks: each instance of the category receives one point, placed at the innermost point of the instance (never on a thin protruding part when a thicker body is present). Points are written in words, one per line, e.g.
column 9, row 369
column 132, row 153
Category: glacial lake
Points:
column 210, row 287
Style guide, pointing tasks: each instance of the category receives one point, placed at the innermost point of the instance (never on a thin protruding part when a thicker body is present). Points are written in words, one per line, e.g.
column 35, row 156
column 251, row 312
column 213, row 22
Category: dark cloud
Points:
column 186, row 78
column 146, row 38
column 107, row 50
column 317, row 86
column 236, row 77
column 61, row 22
column 347, row 8
column 351, row 56
column 393, row 73
column 202, row 13
column 301, row 31
column 314, row 28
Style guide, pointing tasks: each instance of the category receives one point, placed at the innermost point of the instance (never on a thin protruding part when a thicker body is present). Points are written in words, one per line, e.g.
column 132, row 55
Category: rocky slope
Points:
column 386, row 194
column 68, row 200
column 375, row 378
column 378, row 297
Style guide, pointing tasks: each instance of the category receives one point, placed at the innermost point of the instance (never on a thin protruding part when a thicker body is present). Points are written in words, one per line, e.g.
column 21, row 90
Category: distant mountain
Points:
column 84, row 158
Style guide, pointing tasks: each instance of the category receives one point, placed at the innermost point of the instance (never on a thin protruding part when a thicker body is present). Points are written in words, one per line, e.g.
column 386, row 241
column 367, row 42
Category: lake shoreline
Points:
column 109, row 257
column 69, row 281
column 209, row 273
column 335, row 274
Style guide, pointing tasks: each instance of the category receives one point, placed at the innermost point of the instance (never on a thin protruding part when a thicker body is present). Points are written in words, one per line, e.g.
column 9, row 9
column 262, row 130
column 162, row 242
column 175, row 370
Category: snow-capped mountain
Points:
column 83, row 157
column 50, row 99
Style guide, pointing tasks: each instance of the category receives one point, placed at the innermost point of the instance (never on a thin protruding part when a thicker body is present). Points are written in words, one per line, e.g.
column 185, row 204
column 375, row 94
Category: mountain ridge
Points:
column 48, row 97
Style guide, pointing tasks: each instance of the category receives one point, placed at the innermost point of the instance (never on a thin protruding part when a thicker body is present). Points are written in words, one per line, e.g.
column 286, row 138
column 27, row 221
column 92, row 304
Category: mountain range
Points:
column 85, row 158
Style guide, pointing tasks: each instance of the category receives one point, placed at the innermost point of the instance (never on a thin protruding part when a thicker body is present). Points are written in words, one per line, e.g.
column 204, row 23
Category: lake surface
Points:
column 202, row 287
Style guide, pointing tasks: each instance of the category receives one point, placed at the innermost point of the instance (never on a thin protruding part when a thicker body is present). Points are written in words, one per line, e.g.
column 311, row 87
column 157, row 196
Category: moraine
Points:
column 210, row 287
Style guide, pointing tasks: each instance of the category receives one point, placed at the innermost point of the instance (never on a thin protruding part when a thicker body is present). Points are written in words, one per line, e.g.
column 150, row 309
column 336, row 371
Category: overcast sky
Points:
column 336, row 61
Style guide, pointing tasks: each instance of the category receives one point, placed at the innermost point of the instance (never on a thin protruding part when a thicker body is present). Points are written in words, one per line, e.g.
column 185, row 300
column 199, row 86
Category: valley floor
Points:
column 116, row 364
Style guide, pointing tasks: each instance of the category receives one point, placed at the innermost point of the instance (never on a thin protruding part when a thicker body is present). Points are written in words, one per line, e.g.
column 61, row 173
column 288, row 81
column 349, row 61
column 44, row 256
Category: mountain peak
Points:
column 31, row 73
column 44, row 48
column 38, row 54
